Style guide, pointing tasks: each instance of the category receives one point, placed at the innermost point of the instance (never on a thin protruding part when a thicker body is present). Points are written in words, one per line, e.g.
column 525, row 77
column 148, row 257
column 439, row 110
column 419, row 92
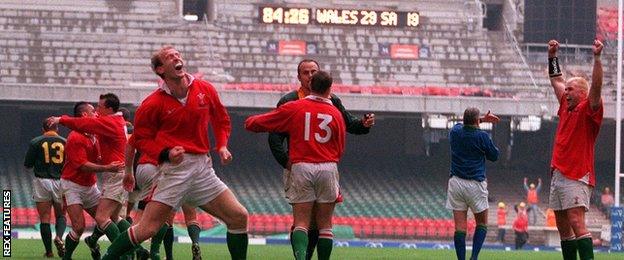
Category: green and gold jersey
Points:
column 46, row 155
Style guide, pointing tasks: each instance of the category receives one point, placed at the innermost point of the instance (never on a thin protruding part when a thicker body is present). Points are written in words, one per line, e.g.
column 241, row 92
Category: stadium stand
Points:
column 456, row 55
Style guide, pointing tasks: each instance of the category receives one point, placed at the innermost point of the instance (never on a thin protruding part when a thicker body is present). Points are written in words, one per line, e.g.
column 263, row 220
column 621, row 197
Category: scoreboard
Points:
column 329, row 16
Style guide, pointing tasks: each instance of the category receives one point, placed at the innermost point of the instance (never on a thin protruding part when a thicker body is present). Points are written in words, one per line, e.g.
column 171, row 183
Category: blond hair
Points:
column 579, row 81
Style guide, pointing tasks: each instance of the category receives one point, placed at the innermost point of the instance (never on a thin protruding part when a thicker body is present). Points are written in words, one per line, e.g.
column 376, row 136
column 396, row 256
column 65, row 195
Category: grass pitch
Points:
column 33, row 249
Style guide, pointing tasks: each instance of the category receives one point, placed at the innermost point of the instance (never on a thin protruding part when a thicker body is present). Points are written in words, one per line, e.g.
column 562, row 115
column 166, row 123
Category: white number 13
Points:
column 324, row 125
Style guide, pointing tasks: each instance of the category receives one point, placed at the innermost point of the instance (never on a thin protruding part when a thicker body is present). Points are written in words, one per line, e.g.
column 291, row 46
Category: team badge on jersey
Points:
column 201, row 97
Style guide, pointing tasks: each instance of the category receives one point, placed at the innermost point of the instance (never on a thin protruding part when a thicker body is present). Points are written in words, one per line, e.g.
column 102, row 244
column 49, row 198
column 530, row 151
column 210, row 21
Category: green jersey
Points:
column 46, row 155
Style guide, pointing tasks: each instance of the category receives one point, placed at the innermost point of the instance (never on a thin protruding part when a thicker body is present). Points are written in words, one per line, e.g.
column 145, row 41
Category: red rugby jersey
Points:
column 573, row 152
column 79, row 150
column 143, row 158
column 162, row 121
column 315, row 128
column 110, row 131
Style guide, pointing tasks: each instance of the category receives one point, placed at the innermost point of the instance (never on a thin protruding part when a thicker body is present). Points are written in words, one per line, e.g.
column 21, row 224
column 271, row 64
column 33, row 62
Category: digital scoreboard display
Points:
column 329, row 16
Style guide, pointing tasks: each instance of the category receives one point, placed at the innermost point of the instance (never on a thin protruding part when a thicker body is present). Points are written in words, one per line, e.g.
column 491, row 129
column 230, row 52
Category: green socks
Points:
column 70, row 245
column 568, row 249
column 193, row 231
column 60, row 226
column 111, row 230
column 46, row 236
column 299, row 242
column 585, row 248
column 477, row 241
column 120, row 246
column 325, row 244
column 237, row 245
column 313, row 239
column 459, row 240
column 97, row 233
column 157, row 241
column 123, row 225
column 168, row 242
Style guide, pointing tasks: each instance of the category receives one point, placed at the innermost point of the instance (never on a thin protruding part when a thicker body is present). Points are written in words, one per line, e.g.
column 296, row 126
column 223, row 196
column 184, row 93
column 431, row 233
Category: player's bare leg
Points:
column 574, row 234
column 313, row 234
column 566, row 233
column 323, row 218
column 150, row 223
column 104, row 217
column 461, row 224
column 167, row 240
column 59, row 226
column 78, row 224
column 302, row 216
column 190, row 218
column 44, row 210
column 129, row 208
column 227, row 208
column 480, row 233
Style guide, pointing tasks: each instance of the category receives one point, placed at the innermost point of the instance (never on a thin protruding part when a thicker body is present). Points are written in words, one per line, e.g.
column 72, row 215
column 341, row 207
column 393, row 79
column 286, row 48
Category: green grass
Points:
column 33, row 249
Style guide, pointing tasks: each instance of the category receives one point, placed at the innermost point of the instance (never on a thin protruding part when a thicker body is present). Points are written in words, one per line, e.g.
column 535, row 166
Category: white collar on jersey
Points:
column 321, row 99
column 162, row 85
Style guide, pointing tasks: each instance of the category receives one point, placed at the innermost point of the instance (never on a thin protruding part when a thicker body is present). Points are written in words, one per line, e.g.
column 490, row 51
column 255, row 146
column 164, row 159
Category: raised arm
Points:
column 554, row 72
column 596, row 85
column 275, row 121
column 491, row 151
column 93, row 125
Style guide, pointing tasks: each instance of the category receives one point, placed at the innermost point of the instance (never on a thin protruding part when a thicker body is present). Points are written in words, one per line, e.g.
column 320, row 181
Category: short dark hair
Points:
column 306, row 61
column 79, row 108
column 111, row 100
column 47, row 127
column 125, row 113
column 471, row 116
column 321, row 82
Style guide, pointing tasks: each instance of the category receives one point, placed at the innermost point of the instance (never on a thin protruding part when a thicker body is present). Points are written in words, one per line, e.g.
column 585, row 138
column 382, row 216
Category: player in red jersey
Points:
column 317, row 136
column 573, row 177
column 354, row 125
column 78, row 179
column 110, row 130
column 139, row 181
column 171, row 124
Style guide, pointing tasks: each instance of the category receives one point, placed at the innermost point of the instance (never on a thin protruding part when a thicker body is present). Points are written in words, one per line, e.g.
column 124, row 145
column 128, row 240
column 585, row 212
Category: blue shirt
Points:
column 470, row 146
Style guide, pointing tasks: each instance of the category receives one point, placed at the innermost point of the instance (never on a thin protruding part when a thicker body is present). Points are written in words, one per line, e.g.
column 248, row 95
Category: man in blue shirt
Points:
column 467, row 187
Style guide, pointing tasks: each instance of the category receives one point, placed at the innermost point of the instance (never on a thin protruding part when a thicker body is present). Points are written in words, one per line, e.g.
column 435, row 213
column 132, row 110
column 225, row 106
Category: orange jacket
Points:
column 501, row 214
column 532, row 196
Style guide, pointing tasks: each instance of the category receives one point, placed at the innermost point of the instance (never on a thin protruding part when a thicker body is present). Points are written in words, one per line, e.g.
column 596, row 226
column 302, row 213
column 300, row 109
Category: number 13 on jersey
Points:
column 323, row 126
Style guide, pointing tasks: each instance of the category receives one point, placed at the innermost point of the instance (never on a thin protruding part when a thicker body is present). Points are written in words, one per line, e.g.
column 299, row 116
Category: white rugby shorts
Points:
column 73, row 193
column 465, row 194
column 567, row 193
column 307, row 182
column 192, row 182
column 45, row 190
column 112, row 186
column 145, row 177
